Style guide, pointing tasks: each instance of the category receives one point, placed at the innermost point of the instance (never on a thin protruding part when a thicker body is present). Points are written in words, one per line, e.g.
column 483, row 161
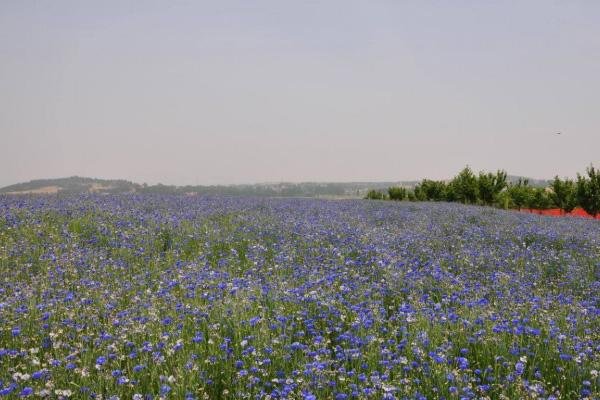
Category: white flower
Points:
column 523, row 359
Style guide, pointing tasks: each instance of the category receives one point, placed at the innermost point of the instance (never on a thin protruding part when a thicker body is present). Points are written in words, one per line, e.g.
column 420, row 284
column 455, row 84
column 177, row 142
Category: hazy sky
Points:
column 252, row 91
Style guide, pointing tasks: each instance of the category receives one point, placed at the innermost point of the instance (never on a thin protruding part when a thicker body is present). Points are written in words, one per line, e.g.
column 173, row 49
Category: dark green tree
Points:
column 520, row 193
column 464, row 186
column 396, row 193
column 375, row 195
column 564, row 194
column 539, row 199
column 431, row 190
column 588, row 191
column 419, row 193
column 489, row 185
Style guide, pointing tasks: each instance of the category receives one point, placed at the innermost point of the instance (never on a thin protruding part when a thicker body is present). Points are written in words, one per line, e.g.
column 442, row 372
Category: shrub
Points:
column 563, row 194
column 588, row 191
column 464, row 186
column 490, row 185
column 375, row 195
column 520, row 193
column 396, row 193
column 431, row 190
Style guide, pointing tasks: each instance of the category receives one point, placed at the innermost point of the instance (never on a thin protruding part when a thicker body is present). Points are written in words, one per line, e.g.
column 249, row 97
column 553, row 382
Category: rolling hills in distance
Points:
column 81, row 185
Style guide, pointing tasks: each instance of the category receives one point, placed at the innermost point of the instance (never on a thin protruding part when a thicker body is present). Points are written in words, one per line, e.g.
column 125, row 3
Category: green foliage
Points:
column 465, row 187
column 419, row 194
column 164, row 240
column 191, row 248
column 588, row 191
column 492, row 189
column 431, row 190
column 490, row 185
column 396, row 193
column 410, row 195
column 563, row 194
column 375, row 195
column 87, row 231
column 539, row 199
column 504, row 200
column 520, row 193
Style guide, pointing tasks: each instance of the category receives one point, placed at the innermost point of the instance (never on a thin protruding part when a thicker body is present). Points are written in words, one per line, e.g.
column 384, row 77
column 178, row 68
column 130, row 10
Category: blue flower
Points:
column 519, row 368
column 38, row 374
column 198, row 337
column 164, row 389
column 462, row 362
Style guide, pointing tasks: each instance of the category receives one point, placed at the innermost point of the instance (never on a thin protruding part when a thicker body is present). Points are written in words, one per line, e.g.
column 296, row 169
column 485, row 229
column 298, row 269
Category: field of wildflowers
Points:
column 188, row 297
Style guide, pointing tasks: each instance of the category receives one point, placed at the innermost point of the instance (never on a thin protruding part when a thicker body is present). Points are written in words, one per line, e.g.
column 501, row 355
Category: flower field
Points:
column 189, row 297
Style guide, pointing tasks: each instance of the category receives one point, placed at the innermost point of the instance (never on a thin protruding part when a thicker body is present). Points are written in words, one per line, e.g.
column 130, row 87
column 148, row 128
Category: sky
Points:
column 226, row 92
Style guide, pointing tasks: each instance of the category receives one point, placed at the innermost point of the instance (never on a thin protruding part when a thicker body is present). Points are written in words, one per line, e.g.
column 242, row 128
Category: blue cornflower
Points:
column 7, row 390
column 296, row 346
column 198, row 337
column 27, row 391
column 519, row 368
column 164, row 389
column 38, row 374
column 308, row 396
column 462, row 362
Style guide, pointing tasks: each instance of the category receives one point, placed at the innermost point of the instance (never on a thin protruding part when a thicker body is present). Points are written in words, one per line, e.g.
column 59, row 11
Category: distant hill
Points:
column 76, row 184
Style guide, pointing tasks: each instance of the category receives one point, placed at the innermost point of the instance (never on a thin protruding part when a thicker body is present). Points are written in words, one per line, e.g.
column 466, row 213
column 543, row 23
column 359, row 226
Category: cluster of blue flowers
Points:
column 189, row 297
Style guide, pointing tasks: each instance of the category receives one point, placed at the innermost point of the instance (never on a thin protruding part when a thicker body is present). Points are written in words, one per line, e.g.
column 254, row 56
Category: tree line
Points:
column 493, row 189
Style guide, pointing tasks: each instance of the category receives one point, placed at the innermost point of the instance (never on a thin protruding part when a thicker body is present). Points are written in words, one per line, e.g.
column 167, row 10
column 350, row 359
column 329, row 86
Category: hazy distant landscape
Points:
column 307, row 189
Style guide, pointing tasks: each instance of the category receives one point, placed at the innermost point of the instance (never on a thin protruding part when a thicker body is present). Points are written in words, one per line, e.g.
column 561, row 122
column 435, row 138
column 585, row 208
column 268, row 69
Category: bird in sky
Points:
column 559, row 133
